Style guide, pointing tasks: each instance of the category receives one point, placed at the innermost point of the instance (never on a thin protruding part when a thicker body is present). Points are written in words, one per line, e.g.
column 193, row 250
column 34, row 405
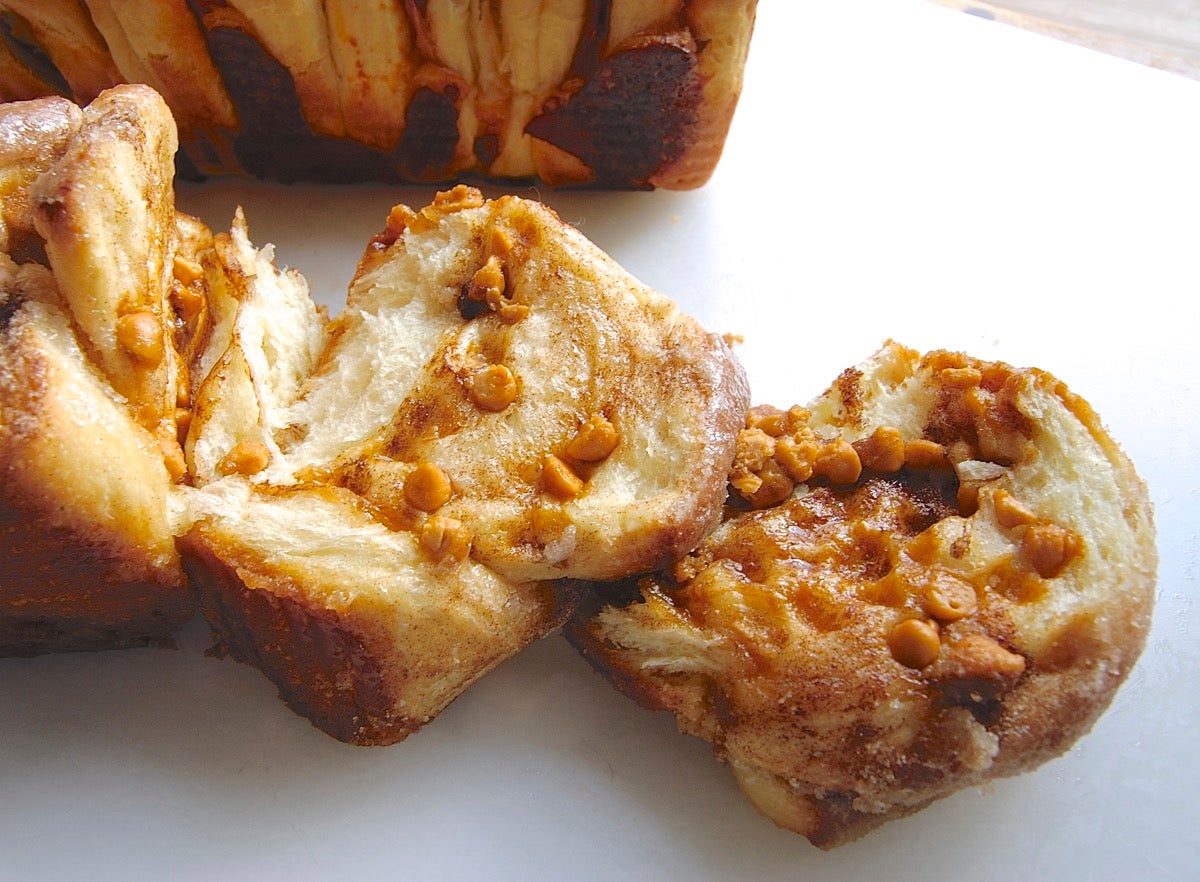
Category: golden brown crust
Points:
column 106, row 213
column 262, row 622
column 603, row 93
column 881, row 638
column 73, row 47
column 722, row 28
column 67, row 590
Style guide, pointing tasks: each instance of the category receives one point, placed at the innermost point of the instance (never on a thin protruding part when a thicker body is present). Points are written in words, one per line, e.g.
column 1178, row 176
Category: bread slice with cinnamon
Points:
column 936, row 574
column 389, row 505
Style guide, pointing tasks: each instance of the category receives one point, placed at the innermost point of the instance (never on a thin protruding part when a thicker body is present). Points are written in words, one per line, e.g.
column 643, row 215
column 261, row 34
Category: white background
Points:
column 895, row 169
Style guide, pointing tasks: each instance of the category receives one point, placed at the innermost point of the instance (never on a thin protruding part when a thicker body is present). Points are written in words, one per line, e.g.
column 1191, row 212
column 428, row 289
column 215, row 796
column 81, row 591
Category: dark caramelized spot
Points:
column 487, row 148
column 19, row 39
column 615, row 123
column 469, row 307
column 426, row 149
column 9, row 307
column 596, row 22
column 974, row 673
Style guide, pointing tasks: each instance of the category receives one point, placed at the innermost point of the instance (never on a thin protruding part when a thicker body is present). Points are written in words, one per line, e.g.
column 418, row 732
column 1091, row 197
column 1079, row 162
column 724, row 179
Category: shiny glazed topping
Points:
column 842, row 526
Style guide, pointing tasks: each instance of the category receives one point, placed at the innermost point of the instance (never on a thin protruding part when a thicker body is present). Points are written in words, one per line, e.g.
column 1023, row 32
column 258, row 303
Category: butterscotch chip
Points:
column 1010, row 512
column 488, row 282
column 248, row 457
column 427, row 487
column 923, row 454
column 838, row 462
column 962, row 376
column 796, row 456
column 882, row 450
column 770, row 420
column 948, row 598
column 140, row 334
column 914, row 643
column 494, row 388
column 558, row 478
column 445, row 539
column 596, row 440
column 775, row 485
column 186, row 271
column 979, row 656
column 1049, row 548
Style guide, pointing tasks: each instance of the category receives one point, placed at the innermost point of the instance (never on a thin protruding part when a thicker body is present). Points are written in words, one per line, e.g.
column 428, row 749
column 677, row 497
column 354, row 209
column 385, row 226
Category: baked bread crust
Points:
column 907, row 620
column 603, row 93
column 368, row 658
column 88, row 436
column 407, row 442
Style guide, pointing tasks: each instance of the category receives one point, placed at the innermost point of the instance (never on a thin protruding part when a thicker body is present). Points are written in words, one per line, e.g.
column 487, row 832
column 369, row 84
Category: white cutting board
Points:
column 895, row 169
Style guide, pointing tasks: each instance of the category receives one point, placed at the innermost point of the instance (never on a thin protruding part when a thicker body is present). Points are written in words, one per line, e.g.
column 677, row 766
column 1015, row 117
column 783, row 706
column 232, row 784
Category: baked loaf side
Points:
column 388, row 504
column 937, row 574
column 604, row 93
column 89, row 377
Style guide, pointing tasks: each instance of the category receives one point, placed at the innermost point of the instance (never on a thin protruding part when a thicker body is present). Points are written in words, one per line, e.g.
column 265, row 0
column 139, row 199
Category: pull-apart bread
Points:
column 90, row 376
column 936, row 574
column 391, row 503
column 605, row 93
column 376, row 509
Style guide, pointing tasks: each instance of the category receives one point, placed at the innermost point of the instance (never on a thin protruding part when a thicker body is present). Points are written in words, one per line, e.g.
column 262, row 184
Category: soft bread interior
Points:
column 264, row 339
column 392, row 388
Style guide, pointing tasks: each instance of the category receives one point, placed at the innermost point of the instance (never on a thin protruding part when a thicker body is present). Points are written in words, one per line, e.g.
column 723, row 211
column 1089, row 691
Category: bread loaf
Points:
column 374, row 509
column 937, row 574
column 602, row 93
